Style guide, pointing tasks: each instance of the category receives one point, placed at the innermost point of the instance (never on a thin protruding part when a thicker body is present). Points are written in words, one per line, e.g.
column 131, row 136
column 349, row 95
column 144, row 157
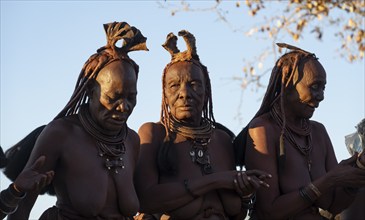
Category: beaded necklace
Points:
column 110, row 147
column 290, row 130
column 199, row 137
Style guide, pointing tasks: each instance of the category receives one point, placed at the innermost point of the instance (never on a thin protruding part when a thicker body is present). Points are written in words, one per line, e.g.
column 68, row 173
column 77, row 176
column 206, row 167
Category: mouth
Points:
column 119, row 119
column 186, row 108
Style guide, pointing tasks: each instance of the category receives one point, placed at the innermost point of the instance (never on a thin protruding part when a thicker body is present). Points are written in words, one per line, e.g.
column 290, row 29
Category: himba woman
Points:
column 186, row 164
column 88, row 144
column 282, row 140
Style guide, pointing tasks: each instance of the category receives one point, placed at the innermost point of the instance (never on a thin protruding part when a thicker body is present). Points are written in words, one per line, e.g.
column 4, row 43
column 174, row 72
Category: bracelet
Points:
column 7, row 210
column 303, row 193
column 186, row 185
column 10, row 198
column 309, row 197
column 359, row 164
column 314, row 189
column 15, row 191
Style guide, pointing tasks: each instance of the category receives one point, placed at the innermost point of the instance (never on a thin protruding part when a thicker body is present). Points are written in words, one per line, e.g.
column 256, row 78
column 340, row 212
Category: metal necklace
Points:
column 199, row 137
column 110, row 147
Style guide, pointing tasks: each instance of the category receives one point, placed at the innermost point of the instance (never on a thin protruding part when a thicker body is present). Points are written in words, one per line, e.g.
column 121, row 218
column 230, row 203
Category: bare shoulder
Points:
column 317, row 125
column 133, row 135
column 264, row 126
column 151, row 131
column 62, row 127
column 224, row 131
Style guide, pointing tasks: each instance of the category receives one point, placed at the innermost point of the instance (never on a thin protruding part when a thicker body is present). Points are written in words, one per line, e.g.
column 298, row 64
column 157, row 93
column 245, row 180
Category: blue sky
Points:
column 44, row 45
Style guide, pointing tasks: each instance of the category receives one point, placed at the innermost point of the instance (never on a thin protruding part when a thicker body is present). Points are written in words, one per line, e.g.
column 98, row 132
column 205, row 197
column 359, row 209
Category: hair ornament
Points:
column 291, row 47
column 171, row 46
column 132, row 39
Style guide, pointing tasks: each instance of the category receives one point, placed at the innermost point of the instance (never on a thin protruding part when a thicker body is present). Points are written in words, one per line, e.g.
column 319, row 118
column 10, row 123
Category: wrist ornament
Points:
column 310, row 193
column 9, row 199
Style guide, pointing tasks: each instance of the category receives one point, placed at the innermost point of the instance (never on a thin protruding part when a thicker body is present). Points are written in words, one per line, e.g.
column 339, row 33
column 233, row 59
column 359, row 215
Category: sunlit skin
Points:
column 300, row 102
column 304, row 97
column 84, row 186
column 185, row 92
column 162, row 193
column 114, row 96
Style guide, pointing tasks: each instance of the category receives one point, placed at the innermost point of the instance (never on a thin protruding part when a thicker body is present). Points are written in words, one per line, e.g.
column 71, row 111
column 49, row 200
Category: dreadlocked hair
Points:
column 166, row 155
column 288, row 71
column 132, row 40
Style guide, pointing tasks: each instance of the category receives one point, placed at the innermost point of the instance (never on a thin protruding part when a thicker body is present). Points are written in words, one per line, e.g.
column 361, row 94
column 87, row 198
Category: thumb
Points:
column 38, row 163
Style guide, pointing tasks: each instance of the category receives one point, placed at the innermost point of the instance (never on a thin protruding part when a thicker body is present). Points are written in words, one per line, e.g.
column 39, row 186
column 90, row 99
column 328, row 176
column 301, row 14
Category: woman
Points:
column 89, row 145
column 282, row 140
column 186, row 164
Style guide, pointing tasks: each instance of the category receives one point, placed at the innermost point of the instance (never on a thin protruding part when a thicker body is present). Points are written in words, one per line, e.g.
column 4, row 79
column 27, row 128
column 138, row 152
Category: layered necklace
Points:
column 199, row 137
column 290, row 130
column 110, row 147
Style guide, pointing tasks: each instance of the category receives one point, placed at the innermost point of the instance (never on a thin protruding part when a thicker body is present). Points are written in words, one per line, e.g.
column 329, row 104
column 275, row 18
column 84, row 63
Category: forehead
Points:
column 117, row 77
column 313, row 71
column 116, row 72
column 184, row 70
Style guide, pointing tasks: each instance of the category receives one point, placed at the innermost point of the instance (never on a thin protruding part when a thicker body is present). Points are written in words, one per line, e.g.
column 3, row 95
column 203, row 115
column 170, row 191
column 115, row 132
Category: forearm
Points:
column 343, row 197
column 25, row 206
column 169, row 196
column 9, row 200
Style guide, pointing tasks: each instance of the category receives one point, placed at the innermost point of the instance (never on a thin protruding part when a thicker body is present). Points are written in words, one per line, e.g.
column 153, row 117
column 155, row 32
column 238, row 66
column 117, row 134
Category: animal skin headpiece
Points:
column 133, row 39
column 188, row 55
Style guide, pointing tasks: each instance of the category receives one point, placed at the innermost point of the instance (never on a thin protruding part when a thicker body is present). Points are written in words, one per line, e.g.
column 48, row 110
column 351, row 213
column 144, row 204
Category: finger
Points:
column 242, row 177
column 255, row 182
column 38, row 163
column 50, row 175
column 245, row 179
column 237, row 188
column 42, row 182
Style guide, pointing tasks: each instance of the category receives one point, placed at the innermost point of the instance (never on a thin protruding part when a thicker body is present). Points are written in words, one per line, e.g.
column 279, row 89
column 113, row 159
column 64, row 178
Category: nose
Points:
column 184, row 92
column 320, row 96
column 122, row 106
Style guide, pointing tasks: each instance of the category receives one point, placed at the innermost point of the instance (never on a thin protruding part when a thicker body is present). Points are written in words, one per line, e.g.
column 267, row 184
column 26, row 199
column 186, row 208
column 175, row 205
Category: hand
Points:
column 345, row 174
column 246, row 183
column 32, row 178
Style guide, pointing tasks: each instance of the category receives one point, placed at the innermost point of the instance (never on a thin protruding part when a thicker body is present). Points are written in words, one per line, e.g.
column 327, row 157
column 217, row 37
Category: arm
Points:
column 28, row 181
column 50, row 136
column 338, row 197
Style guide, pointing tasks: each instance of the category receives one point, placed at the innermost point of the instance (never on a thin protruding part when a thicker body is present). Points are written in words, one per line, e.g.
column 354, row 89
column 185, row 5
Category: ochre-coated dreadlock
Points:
column 190, row 55
column 115, row 31
column 288, row 71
